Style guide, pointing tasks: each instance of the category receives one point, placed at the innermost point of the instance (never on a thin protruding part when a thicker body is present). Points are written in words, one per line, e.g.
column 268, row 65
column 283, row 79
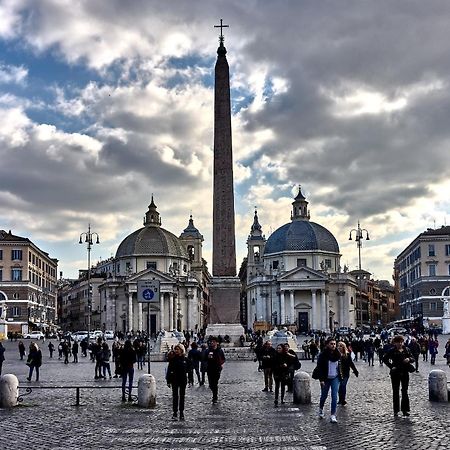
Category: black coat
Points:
column 268, row 355
column 177, row 370
column 345, row 364
column 323, row 359
column 395, row 360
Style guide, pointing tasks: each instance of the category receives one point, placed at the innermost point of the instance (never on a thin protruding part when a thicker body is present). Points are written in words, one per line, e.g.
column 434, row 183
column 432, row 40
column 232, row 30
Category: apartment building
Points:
column 27, row 285
column 422, row 274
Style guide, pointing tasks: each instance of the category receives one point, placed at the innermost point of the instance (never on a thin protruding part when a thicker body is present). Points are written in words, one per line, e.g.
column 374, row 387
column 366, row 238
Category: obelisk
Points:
column 225, row 286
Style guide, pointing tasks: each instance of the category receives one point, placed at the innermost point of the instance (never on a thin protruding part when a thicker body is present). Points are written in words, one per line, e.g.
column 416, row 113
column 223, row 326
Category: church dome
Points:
column 151, row 239
column 301, row 235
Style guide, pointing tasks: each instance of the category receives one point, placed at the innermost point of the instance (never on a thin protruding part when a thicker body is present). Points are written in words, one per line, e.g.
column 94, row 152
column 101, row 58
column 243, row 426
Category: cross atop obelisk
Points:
column 221, row 26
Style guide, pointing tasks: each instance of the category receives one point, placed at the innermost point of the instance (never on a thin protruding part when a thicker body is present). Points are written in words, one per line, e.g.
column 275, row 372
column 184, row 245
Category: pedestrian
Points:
column 346, row 363
column 75, row 348
column 84, row 346
column 328, row 369
column 105, row 358
column 433, row 345
column 127, row 360
column 34, row 360
column 414, row 347
column 399, row 359
column 116, row 350
column 51, row 348
column 313, row 349
column 177, row 378
column 281, row 372
column 65, row 351
column 215, row 362
column 2, row 356
column 60, row 349
column 21, row 350
column 447, row 352
column 97, row 351
column 268, row 354
column 203, row 363
column 369, row 348
column 424, row 348
column 194, row 357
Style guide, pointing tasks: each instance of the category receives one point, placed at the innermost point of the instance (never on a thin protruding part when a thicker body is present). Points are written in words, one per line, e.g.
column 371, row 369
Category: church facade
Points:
column 153, row 253
column 294, row 278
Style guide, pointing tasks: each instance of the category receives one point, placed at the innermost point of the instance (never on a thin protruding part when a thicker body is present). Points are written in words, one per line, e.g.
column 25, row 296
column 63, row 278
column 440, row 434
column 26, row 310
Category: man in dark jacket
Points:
column 414, row 347
column 215, row 362
column 268, row 354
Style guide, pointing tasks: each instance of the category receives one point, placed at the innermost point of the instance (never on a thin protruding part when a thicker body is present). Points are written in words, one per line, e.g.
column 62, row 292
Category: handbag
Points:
column 315, row 373
column 411, row 368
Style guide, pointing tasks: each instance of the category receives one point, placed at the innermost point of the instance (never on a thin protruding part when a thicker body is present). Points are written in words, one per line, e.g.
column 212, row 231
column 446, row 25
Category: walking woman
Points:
column 328, row 368
column 127, row 360
column 346, row 363
column 280, row 370
column 177, row 378
column 399, row 359
column 34, row 360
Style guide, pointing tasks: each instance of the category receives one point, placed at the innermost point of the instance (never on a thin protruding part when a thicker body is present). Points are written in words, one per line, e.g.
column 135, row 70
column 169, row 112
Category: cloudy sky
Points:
column 105, row 102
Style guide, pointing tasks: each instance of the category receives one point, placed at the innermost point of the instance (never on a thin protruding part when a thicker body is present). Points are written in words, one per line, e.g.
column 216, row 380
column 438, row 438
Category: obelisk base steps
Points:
column 225, row 308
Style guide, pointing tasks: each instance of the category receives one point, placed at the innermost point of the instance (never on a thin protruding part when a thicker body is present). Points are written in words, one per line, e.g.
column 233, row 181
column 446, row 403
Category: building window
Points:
column 447, row 250
column 1, row 254
column 328, row 263
column 301, row 262
column 15, row 296
column 432, row 270
column 16, row 274
column 431, row 251
column 16, row 255
column 1, row 274
column 448, row 270
column 151, row 265
column 16, row 311
column 433, row 306
column 275, row 265
column 432, row 291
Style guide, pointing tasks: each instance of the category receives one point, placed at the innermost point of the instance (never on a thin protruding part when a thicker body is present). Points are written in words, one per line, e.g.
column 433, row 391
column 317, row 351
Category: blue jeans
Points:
column 334, row 384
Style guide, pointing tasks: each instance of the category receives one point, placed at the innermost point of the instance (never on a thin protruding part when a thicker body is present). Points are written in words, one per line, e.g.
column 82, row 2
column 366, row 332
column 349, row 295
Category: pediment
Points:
column 303, row 273
column 151, row 274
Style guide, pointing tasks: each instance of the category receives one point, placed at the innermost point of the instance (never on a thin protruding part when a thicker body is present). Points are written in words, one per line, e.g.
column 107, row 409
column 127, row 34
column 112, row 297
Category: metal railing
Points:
column 29, row 390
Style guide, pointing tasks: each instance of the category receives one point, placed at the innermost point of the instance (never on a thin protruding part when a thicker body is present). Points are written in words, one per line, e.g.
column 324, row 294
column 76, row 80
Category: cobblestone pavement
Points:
column 245, row 417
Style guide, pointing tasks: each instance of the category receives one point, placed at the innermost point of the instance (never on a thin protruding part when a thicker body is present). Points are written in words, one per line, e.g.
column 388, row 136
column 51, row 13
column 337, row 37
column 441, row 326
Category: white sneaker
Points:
column 333, row 419
column 321, row 414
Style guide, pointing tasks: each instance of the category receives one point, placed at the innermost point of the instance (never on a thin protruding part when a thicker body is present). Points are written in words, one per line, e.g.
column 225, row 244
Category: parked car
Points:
column 397, row 330
column 80, row 335
column 34, row 335
column 108, row 334
column 344, row 331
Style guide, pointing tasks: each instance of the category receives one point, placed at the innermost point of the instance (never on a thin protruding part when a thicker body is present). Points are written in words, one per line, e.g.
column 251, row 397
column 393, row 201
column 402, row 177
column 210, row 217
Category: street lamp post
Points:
column 359, row 236
column 87, row 237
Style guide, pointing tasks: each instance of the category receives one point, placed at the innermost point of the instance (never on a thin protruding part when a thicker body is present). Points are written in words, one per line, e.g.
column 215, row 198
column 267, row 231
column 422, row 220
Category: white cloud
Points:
column 12, row 74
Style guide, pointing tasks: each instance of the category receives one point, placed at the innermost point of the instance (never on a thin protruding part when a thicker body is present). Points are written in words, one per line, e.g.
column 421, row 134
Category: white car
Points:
column 80, row 335
column 34, row 335
column 397, row 330
column 108, row 334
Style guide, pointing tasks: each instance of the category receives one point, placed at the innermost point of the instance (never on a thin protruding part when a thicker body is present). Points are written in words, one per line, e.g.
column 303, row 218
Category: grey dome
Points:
column 151, row 240
column 301, row 235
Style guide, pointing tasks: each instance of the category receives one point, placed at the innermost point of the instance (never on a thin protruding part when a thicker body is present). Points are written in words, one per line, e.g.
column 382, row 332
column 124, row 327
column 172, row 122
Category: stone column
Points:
column 313, row 309
column 161, row 313
column 140, row 319
column 189, row 297
column 130, row 311
column 249, row 309
column 282, row 308
column 171, row 327
column 291, row 307
column 323, row 313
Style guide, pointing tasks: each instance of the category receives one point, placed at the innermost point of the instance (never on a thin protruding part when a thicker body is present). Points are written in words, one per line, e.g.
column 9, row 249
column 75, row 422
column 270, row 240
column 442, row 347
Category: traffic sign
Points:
column 148, row 291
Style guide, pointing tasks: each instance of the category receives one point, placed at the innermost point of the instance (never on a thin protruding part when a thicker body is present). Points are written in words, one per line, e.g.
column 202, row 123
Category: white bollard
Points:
column 302, row 388
column 9, row 390
column 437, row 386
column 147, row 391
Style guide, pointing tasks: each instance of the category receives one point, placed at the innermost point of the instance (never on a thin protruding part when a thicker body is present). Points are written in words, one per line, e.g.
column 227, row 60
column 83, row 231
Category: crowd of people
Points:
column 197, row 359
